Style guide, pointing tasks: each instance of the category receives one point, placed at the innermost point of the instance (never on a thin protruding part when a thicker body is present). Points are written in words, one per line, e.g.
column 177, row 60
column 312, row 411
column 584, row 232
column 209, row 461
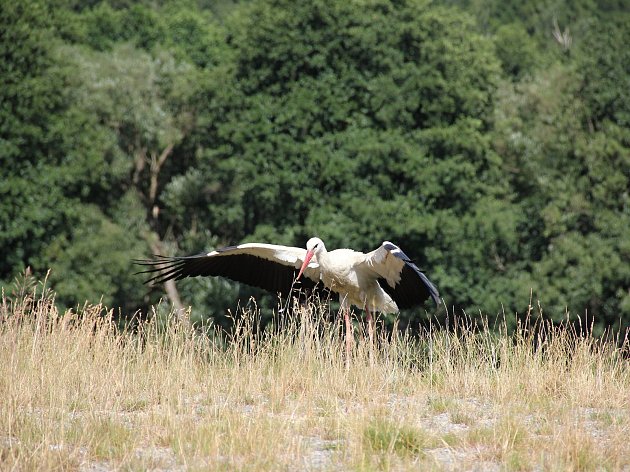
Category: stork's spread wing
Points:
column 402, row 279
column 267, row 266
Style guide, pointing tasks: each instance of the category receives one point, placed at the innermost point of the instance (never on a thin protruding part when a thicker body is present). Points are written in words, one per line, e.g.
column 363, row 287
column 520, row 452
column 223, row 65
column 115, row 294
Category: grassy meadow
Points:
column 78, row 393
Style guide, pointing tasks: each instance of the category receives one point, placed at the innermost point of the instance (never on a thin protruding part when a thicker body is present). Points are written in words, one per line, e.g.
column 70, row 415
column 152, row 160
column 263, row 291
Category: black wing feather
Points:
column 246, row 268
column 414, row 288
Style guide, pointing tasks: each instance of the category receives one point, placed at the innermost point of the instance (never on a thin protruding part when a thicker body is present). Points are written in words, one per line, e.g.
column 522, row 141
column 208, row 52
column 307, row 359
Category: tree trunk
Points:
column 171, row 289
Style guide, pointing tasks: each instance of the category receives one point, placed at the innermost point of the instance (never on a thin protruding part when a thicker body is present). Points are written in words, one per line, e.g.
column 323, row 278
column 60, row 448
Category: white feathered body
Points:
column 344, row 271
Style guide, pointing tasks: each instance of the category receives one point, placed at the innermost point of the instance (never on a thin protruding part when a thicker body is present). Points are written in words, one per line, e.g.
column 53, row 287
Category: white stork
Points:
column 383, row 280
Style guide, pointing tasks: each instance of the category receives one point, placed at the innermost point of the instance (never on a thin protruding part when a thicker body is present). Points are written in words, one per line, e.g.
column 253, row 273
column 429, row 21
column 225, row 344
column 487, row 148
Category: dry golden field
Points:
column 79, row 394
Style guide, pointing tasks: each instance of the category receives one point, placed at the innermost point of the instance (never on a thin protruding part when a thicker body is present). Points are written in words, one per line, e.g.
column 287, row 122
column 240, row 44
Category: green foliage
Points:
column 32, row 206
column 516, row 50
column 125, row 90
column 569, row 154
column 605, row 72
column 384, row 436
column 321, row 103
column 92, row 262
column 28, row 83
column 103, row 26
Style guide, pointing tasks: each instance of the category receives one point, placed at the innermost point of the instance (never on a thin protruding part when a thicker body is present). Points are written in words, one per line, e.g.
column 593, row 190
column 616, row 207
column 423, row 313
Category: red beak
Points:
column 307, row 259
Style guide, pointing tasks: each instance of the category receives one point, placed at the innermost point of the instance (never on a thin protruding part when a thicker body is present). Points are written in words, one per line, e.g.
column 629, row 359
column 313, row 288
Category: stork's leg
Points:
column 349, row 335
column 370, row 328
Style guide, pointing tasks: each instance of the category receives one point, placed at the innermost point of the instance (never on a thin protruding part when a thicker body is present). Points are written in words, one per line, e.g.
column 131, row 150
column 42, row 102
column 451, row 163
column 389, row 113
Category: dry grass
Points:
column 77, row 393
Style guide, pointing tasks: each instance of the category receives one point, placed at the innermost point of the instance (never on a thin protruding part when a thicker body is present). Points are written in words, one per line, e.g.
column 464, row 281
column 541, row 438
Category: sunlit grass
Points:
column 386, row 436
column 78, row 392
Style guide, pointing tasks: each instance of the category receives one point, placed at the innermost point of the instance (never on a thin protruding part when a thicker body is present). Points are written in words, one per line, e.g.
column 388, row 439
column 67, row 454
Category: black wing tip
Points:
column 166, row 267
column 435, row 295
column 431, row 288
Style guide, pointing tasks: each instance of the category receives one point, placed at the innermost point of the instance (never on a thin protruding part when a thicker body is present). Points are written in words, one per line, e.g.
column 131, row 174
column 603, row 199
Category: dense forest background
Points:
column 489, row 139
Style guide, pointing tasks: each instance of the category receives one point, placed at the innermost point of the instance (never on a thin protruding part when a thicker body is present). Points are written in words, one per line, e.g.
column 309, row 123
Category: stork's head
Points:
column 314, row 246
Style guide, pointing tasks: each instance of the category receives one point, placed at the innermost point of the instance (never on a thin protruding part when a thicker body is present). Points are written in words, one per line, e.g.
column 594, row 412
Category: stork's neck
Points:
column 321, row 254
